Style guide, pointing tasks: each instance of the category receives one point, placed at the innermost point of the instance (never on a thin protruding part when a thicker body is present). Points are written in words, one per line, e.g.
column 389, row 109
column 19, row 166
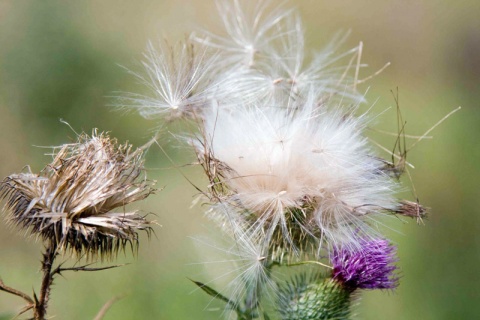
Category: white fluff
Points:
column 177, row 76
column 280, row 158
column 261, row 59
column 263, row 56
column 250, row 29
column 245, row 258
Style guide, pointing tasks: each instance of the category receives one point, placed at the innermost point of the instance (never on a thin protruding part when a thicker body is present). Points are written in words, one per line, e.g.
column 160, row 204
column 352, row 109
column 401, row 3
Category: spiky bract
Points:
column 313, row 298
column 70, row 201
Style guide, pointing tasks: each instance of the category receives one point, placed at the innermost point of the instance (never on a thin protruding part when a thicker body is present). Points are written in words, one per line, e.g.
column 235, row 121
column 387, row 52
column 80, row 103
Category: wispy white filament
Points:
column 250, row 28
column 177, row 77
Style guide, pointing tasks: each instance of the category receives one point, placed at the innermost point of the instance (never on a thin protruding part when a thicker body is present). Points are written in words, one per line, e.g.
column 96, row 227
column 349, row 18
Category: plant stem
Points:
column 40, row 308
column 105, row 308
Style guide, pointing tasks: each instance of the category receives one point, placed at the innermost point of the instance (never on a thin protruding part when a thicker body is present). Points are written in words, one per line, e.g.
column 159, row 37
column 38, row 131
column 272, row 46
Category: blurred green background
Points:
column 59, row 59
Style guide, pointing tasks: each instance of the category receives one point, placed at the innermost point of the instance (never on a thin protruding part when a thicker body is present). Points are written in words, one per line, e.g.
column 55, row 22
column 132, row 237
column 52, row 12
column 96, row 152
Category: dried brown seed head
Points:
column 70, row 201
column 411, row 209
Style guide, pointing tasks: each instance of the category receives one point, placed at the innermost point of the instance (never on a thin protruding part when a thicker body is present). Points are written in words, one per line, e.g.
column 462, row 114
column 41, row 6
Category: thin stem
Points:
column 59, row 269
column 16, row 292
column 40, row 307
column 308, row 262
column 106, row 307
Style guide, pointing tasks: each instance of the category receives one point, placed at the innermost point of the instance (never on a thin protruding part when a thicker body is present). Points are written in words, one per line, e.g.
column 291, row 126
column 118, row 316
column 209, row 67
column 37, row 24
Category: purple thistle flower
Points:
column 371, row 267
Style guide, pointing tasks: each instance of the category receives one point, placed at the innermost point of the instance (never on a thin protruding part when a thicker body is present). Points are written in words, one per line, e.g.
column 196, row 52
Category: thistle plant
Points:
column 293, row 183
column 76, row 206
column 292, row 178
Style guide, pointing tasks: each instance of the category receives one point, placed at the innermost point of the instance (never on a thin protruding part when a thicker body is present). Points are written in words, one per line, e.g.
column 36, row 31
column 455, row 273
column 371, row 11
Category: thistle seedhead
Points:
column 251, row 27
column 301, row 176
column 178, row 77
column 313, row 298
column 70, row 201
column 372, row 267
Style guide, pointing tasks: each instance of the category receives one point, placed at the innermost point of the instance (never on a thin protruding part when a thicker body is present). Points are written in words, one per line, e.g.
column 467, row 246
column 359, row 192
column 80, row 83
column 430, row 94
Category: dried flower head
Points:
column 372, row 267
column 412, row 210
column 70, row 201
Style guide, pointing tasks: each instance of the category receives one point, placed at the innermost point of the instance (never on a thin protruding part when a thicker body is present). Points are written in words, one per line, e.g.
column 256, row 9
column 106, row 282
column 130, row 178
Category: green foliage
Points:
column 243, row 312
column 213, row 293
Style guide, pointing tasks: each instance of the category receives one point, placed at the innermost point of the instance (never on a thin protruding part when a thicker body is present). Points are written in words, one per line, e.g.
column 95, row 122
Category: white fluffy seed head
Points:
column 261, row 59
column 177, row 77
column 263, row 56
column 276, row 160
column 250, row 28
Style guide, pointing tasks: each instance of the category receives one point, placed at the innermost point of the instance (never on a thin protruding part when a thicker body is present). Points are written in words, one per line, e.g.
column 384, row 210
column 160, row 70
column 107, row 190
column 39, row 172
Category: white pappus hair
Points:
column 276, row 160
column 177, row 76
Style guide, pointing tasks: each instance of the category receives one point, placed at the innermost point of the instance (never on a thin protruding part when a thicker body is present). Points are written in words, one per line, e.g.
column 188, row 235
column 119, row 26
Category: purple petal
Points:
column 371, row 267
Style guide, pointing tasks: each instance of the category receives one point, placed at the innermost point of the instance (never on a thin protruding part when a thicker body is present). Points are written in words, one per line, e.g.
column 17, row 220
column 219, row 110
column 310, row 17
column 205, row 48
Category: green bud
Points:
column 313, row 299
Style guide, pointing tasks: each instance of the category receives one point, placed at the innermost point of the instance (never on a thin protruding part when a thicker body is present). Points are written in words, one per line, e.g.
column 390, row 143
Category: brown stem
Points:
column 59, row 269
column 41, row 304
column 15, row 292
column 106, row 307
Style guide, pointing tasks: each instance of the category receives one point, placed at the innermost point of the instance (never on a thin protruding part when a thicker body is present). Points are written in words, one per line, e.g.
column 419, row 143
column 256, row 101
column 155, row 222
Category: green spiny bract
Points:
column 313, row 298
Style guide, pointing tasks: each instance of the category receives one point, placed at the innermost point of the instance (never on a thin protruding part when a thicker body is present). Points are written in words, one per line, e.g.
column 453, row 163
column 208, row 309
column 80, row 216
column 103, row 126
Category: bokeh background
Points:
column 60, row 60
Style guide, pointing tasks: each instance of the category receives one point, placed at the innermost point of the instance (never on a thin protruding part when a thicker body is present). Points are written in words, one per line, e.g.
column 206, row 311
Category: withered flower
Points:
column 70, row 202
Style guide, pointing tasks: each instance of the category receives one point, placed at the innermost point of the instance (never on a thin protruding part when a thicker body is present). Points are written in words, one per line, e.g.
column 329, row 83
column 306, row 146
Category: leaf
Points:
column 213, row 293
